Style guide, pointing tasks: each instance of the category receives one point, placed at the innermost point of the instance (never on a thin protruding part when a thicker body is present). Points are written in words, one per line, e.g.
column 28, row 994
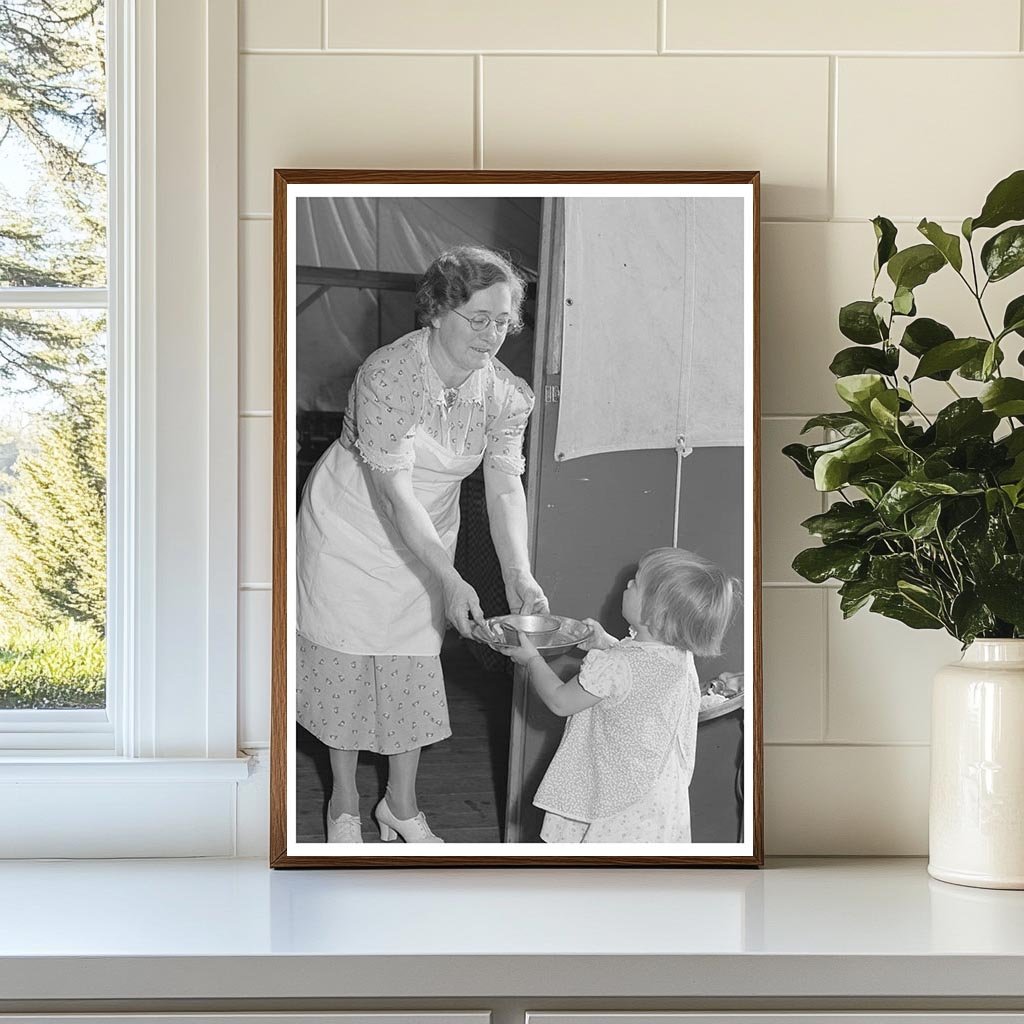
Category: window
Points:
column 53, row 369
column 154, row 766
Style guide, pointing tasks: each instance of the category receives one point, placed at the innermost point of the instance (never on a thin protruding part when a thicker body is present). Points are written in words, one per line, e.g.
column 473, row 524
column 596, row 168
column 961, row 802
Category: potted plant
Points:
column 927, row 521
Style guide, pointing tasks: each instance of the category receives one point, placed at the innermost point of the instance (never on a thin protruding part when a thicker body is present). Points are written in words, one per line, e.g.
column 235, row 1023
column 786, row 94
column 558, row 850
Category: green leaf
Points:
column 1005, row 202
column 1013, row 317
column 1004, row 397
column 854, row 594
column 885, row 410
column 843, row 521
column 887, row 570
column 885, row 236
column 925, row 518
column 1016, row 520
column 912, row 267
column 841, row 421
column 899, row 608
column 971, row 617
column 865, row 446
column 974, row 368
column 850, row 361
column 907, row 494
column 990, row 361
column 994, row 499
column 839, row 561
column 966, row 417
column 799, row 455
column 903, row 302
column 858, row 389
column 923, row 335
column 1006, row 599
column 857, row 321
column 964, row 482
column 950, row 355
column 1003, row 254
column 965, row 229
column 947, row 244
column 831, row 471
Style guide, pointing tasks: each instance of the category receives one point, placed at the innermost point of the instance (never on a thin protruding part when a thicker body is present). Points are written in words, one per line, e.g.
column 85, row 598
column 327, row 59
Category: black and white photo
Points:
column 516, row 568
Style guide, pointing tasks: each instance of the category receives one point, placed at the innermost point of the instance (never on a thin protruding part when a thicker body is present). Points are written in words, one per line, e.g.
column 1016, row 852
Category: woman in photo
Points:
column 377, row 528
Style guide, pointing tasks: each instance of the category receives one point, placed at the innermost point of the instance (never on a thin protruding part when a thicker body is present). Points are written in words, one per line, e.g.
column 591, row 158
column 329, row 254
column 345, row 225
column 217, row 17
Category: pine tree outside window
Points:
column 53, row 365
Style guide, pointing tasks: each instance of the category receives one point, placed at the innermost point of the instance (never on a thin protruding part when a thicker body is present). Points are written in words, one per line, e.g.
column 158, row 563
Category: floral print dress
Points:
column 392, row 702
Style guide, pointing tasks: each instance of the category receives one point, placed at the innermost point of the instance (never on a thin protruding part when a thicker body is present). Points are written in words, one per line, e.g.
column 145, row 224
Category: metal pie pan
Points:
column 571, row 633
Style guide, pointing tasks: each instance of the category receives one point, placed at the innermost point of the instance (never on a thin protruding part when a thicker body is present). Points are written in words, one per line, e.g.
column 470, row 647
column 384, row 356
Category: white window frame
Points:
column 158, row 773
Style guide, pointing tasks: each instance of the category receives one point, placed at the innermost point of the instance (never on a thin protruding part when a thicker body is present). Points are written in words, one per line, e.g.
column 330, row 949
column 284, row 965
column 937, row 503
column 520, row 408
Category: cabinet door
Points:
column 354, row 1017
column 934, row 1017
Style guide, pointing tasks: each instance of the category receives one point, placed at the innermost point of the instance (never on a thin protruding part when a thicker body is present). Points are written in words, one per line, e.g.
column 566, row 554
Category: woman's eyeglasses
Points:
column 481, row 321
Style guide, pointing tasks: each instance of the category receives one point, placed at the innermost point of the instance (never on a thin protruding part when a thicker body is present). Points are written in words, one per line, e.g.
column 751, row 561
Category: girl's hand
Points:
column 599, row 640
column 524, row 594
column 524, row 652
column 461, row 605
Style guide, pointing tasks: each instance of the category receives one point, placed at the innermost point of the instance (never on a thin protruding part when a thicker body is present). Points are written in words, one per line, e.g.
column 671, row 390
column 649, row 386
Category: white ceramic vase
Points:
column 976, row 813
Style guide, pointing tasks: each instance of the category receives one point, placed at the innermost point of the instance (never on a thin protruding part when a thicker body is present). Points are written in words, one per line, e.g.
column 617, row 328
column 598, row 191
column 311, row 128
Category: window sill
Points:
column 80, row 767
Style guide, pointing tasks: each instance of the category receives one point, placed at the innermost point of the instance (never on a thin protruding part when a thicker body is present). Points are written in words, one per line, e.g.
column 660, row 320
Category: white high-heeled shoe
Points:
column 412, row 830
column 346, row 828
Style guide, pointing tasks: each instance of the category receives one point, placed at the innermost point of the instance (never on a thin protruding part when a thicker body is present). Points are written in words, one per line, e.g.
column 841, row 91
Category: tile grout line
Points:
column 478, row 111
column 340, row 51
column 831, row 171
column 1020, row 25
column 851, row 744
column 824, row 723
column 323, row 24
column 663, row 26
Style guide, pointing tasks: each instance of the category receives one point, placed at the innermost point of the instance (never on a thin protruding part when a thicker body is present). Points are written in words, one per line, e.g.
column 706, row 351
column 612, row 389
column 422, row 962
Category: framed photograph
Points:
column 516, row 562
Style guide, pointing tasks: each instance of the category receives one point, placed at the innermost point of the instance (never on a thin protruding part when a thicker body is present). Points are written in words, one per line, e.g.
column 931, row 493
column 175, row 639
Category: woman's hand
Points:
column 524, row 652
column 461, row 605
column 524, row 594
column 599, row 640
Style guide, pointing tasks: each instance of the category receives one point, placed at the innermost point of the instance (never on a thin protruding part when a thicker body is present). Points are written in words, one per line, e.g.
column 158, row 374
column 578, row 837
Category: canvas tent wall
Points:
column 342, row 317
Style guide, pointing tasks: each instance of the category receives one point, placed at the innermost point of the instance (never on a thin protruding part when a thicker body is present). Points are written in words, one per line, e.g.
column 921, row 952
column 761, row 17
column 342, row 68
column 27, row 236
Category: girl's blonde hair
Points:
column 685, row 600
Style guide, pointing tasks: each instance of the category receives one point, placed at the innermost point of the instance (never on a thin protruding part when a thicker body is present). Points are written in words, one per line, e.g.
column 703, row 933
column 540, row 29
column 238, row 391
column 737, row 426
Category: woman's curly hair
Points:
column 458, row 274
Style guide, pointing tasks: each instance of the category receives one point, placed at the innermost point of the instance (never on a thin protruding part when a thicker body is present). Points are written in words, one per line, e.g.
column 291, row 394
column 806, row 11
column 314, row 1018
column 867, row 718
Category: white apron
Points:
column 360, row 589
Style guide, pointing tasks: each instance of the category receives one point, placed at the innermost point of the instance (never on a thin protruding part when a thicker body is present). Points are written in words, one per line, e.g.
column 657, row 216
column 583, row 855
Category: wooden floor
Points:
column 462, row 780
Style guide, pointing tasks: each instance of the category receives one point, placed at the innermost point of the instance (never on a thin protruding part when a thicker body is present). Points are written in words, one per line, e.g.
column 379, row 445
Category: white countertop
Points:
column 235, row 929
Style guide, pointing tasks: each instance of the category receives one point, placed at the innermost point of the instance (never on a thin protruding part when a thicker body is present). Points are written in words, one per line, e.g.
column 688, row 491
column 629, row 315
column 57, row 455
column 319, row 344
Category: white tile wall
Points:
column 255, row 510
column 254, row 626
column 697, row 113
column 794, row 634
column 873, row 25
column 255, row 311
column 471, row 25
column 260, row 25
column 969, row 110
column 879, row 678
column 350, row 111
column 909, row 110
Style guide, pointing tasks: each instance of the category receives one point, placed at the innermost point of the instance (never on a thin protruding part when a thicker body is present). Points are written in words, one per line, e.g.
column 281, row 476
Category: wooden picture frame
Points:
column 689, row 247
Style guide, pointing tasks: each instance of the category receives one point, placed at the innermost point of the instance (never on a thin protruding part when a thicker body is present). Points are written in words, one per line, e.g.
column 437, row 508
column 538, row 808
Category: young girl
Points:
column 622, row 771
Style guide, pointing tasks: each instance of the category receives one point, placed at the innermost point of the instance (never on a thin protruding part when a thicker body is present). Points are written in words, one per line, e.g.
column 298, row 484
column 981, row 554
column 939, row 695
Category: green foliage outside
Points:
column 928, row 522
column 59, row 667
column 52, row 365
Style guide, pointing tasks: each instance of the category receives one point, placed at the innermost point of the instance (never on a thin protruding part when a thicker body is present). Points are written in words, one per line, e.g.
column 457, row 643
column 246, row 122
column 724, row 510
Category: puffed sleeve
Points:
column 606, row 674
column 505, row 429
column 387, row 415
